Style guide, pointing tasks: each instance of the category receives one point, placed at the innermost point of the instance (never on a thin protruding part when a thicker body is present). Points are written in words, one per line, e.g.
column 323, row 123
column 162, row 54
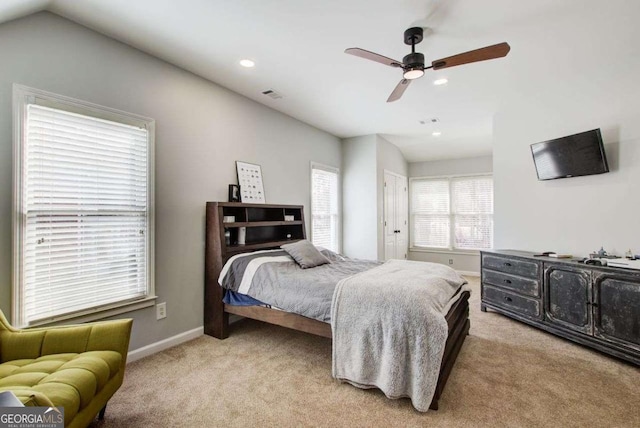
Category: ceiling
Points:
column 298, row 46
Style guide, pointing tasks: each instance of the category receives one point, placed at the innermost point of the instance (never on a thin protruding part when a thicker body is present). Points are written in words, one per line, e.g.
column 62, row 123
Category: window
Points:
column 454, row 213
column 83, row 209
column 325, row 212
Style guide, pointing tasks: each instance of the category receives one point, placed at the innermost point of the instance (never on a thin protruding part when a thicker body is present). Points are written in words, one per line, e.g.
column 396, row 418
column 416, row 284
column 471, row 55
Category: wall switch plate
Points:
column 450, row 261
column 161, row 310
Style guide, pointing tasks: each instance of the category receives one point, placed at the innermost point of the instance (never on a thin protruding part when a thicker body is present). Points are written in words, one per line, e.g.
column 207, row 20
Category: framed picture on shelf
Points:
column 234, row 193
column 250, row 182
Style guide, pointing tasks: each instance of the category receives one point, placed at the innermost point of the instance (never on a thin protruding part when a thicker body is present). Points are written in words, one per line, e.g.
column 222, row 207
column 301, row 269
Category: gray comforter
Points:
column 389, row 328
column 273, row 278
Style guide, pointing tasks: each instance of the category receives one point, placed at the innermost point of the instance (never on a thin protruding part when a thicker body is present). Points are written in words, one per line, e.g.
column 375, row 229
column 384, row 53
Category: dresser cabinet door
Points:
column 567, row 300
column 617, row 308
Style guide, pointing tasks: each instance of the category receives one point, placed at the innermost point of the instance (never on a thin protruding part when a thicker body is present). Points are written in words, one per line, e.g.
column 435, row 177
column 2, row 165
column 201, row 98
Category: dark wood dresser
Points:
column 595, row 306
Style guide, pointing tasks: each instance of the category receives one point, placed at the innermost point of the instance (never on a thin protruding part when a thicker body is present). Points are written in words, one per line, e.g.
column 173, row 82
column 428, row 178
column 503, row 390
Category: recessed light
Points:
column 439, row 82
column 436, row 133
column 247, row 63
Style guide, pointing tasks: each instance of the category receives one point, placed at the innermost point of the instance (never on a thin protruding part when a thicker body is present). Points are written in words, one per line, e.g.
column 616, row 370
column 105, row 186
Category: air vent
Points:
column 272, row 94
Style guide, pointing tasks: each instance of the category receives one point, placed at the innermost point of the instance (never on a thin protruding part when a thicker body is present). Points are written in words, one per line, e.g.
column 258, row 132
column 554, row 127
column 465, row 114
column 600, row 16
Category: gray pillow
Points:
column 305, row 254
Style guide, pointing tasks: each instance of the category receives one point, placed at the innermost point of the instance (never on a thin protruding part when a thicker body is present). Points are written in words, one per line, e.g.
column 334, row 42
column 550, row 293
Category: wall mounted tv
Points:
column 572, row 156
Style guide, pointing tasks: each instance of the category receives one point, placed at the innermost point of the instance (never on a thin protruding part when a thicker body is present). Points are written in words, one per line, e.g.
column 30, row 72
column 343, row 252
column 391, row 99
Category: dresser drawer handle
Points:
column 507, row 264
column 508, row 299
column 507, row 281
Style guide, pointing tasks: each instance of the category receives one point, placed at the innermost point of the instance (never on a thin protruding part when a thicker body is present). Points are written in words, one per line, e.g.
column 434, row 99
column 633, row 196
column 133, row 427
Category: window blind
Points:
column 85, row 212
column 430, row 213
column 472, row 211
column 324, row 208
column 452, row 213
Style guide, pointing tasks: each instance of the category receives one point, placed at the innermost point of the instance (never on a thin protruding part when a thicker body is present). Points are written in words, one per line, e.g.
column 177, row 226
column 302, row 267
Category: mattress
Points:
column 273, row 278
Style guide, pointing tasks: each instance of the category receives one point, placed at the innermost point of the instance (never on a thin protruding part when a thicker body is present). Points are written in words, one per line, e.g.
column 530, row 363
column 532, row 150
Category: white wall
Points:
column 364, row 160
column 461, row 261
column 573, row 215
column 359, row 197
column 463, row 166
column 201, row 130
column 390, row 158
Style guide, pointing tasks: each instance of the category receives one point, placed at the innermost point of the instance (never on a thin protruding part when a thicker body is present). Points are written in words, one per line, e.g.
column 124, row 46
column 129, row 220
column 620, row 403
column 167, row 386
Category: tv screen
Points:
column 572, row 156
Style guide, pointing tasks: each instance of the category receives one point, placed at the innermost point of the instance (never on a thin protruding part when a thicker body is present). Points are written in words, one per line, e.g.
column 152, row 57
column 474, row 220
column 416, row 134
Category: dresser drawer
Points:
column 528, row 269
column 511, row 302
column 518, row 284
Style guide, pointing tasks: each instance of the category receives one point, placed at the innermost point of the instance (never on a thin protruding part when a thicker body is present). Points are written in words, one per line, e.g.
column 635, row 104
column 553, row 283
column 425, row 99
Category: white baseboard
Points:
column 468, row 273
column 167, row 343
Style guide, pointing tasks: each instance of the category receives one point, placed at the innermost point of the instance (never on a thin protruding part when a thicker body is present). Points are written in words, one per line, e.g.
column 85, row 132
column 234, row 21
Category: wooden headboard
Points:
column 266, row 228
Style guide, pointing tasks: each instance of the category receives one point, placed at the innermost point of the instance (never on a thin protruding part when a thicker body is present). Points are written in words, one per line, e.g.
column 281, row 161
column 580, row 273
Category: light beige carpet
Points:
column 507, row 375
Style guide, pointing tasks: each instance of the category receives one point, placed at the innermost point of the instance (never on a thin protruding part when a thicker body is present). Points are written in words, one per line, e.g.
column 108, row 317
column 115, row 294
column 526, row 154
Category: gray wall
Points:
column 201, row 130
column 390, row 158
column 477, row 165
column 359, row 197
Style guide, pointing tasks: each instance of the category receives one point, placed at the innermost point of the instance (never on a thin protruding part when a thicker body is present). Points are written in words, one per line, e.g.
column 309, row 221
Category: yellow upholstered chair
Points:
column 77, row 367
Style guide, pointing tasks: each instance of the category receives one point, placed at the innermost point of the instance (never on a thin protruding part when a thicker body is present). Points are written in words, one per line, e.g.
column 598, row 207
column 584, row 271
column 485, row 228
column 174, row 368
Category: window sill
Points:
column 445, row 251
column 97, row 314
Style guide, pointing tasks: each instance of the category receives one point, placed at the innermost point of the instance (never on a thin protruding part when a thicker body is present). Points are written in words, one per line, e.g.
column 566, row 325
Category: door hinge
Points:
column 385, row 184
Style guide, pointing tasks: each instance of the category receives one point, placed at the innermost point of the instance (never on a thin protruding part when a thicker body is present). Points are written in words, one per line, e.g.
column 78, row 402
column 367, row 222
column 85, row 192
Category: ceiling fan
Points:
column 413, row 64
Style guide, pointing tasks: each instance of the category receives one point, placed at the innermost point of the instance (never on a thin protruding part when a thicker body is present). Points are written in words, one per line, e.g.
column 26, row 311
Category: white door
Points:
column 389, row 216
column 396, row 210
column 402, row 218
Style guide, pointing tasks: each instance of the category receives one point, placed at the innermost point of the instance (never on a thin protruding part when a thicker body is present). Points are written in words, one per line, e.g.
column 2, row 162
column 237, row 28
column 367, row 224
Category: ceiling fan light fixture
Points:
column 413, row 73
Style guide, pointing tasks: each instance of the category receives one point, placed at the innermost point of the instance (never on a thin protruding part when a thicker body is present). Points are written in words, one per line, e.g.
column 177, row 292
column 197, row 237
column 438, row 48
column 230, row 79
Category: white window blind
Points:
column 452, row 213
column 430, row 206
column 472, row 211
column 85, row 207
column 325, row 217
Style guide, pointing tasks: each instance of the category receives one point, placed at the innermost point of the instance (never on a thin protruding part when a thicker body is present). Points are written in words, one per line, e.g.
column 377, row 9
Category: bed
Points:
column 267, row 230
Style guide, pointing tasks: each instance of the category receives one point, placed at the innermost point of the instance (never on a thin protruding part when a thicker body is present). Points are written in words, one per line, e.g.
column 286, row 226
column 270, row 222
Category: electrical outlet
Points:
column 450, row 261
column 161, row 310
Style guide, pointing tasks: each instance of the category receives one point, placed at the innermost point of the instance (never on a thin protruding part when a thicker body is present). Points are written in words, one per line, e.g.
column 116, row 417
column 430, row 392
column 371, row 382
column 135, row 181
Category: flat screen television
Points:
column 572, row 156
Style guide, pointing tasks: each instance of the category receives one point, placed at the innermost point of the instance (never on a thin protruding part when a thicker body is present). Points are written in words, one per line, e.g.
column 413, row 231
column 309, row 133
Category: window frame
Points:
column 335, row 170
column 22, row 97
column 451, row 249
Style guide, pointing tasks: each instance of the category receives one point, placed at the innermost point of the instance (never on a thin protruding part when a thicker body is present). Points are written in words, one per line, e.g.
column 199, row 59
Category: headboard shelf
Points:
column 263, row 223
column 258, row 246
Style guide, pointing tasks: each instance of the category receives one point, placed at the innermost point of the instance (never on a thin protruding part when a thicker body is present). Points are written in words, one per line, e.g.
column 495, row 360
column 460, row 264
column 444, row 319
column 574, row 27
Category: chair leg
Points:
column 101, row 414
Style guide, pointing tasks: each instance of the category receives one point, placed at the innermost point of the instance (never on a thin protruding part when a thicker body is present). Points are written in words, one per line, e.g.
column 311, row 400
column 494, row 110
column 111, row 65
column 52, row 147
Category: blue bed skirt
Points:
column 237, row 299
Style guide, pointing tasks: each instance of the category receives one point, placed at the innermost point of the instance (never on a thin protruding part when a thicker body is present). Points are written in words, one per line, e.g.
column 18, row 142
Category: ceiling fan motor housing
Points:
column 413, row 61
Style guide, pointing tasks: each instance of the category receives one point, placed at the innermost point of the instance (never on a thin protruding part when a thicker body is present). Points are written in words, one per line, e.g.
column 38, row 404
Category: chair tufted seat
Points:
column 77, row 367
column 70, row 380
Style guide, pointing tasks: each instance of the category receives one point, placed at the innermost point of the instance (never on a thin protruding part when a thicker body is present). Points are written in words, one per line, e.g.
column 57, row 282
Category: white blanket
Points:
column 389, row 329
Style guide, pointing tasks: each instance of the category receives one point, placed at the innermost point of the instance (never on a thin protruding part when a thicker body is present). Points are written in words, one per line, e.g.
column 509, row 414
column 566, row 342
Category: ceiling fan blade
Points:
column 399, row 90
column 490, row 52
column 373, row 57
